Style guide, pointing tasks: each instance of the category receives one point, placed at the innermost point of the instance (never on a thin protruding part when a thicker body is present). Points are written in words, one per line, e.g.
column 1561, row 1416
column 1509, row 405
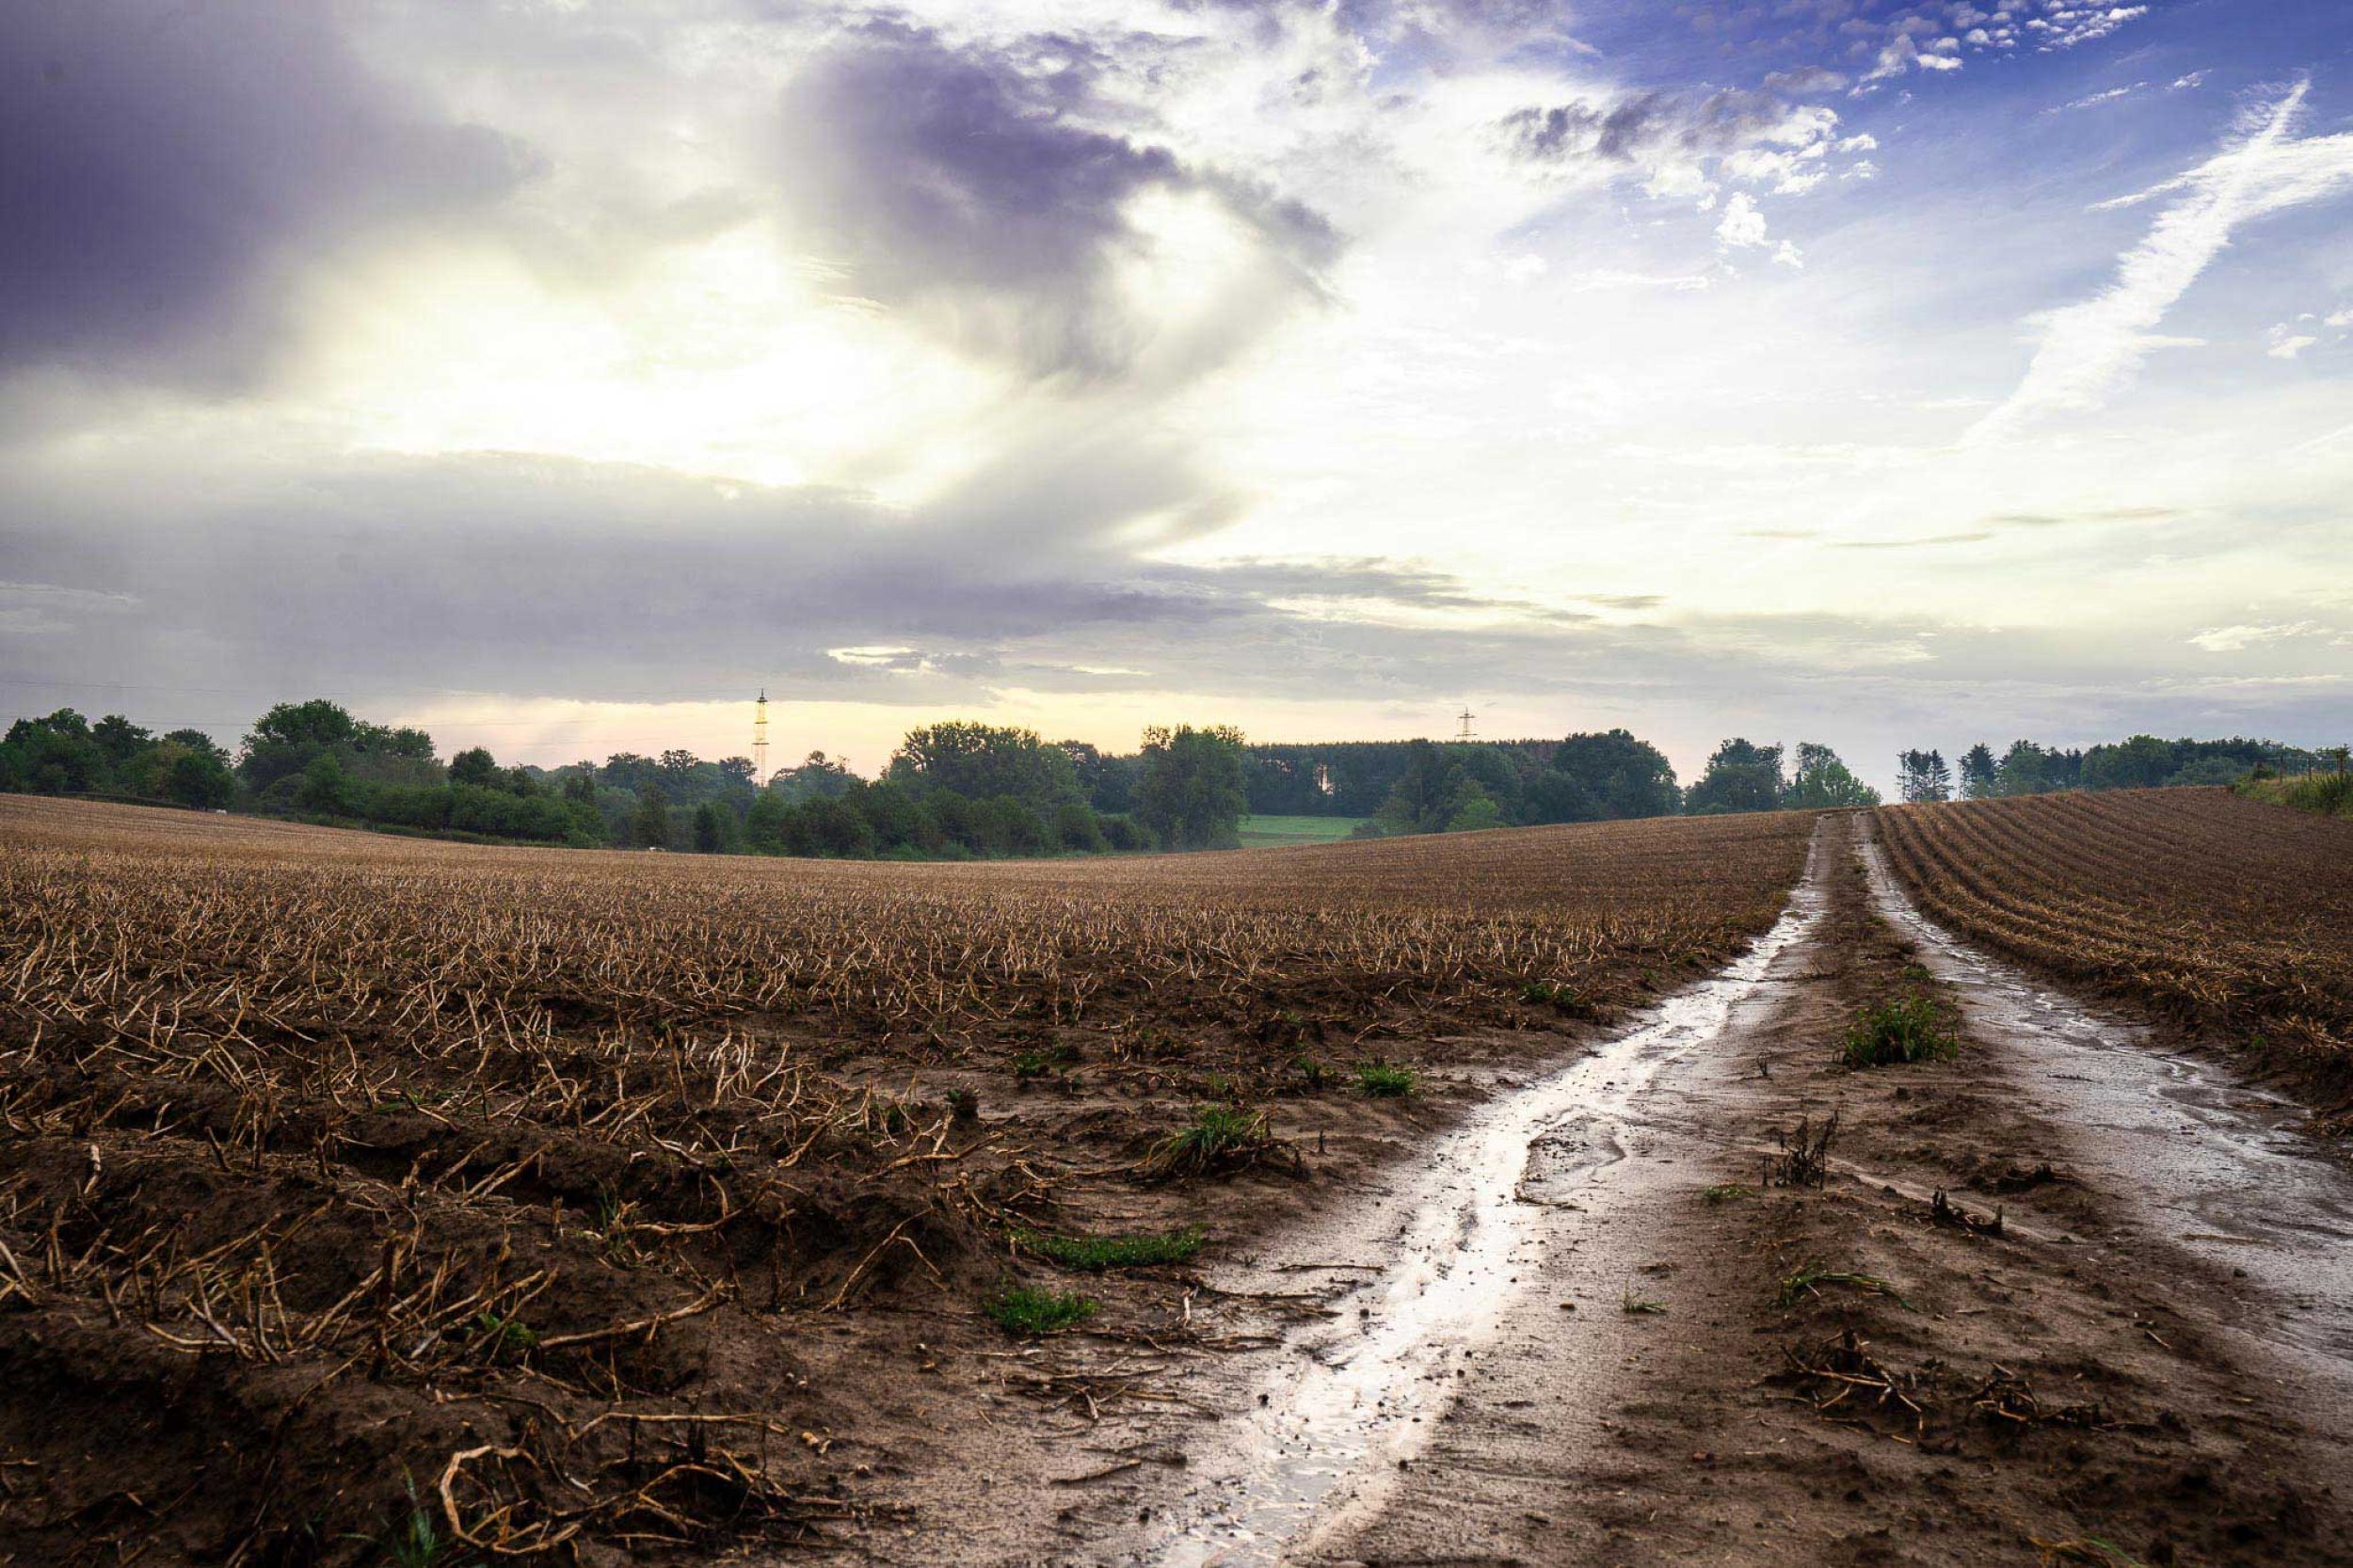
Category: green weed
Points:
column 1029, row 1312
column 1099, row 1252
column 1218, row 1136
column 1383, row 1082
column 504, row 1339
column 1724, row 1194
column 1910, row 1028
column 1808, row 1281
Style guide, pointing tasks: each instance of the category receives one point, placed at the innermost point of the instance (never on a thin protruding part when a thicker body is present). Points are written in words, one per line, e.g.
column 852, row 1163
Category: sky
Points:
column 557, row 374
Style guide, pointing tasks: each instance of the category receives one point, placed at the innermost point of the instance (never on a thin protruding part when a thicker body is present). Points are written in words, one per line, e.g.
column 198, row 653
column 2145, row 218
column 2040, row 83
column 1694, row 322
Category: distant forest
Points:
column 964, row 790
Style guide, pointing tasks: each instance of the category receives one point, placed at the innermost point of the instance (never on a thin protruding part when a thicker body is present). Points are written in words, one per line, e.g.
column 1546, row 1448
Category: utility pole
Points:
column 760, row 740
column 1465, row 716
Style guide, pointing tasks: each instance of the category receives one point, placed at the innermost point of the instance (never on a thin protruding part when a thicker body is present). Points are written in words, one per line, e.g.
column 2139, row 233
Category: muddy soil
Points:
column 1976, row 1333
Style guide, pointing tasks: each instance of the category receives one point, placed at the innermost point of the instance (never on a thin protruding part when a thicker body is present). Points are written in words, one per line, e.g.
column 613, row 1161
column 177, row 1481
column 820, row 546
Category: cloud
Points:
column 2236, row 639
column 554, row 578
column 1758, row 136
column 1974, row 537
column 2093, row 100
column 979, row 181
column 1743, row 225
column 2088, row 351
column 166, row 170
column 2284, row 343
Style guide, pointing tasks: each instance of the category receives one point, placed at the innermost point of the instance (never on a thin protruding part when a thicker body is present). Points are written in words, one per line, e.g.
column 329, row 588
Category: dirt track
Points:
column 1625, row 1373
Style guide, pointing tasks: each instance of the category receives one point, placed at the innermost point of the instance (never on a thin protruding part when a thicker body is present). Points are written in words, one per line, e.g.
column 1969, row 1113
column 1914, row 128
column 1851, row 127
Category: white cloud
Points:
column 2092, row 101
column 2090, row 350
column 2284, row 341
column 1743, row 225
column 2191, row 79
column 2236, row 639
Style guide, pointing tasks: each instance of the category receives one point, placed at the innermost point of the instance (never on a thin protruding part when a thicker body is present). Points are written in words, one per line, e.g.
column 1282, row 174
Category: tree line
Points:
column 2136, row 762
column 960, row 790
column 951, row 791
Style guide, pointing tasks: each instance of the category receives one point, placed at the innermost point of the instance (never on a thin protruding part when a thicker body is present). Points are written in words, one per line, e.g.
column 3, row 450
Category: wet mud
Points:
column 2064, row 1297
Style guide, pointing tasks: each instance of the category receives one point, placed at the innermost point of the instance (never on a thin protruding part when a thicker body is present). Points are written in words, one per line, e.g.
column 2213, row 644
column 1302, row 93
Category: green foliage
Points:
column 1455, row 789
column 1217, row 1135
column 1031, row 1313
column 473, row 766
column 1910, row 1028
column 2326, row 794
column 1725, row 1193
column 52, row 756
column 982, row 761
column 1603, row 778
column 1741, row 776
column 1383, row 1082
column 1980, row 775
column 1567, row 999
column 502, row 1338
column 1922, row 775
column 1808, row 1279
column 1824, row 782
column 325, row 788
column 1095, row 1254
column 1191, row 793
column 713, row 828
column 191, row 778
column 650, row 825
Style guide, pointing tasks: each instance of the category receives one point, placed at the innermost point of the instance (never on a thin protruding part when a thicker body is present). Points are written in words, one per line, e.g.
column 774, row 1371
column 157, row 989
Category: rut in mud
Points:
column 1356, row 1401
column 1600, row 1336
column 2200, row 1157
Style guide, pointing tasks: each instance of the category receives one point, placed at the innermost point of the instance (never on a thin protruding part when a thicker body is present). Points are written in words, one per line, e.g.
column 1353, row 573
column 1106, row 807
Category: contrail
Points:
column 2090, row 350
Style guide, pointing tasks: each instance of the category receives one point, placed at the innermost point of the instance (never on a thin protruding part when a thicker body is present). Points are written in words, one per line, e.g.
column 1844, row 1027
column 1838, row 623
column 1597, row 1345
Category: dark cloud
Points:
column 1974, row 537
column 164, row 167
column 1644, row 125
column 1803, row 81
column 400, row 580
column 987, row 182
column 558, row 578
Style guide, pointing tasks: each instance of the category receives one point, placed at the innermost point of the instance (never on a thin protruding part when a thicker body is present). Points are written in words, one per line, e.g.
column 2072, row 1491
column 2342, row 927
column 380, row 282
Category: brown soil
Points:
column 2012, row 1375
column 1964, row 1395
column 357, row 1194
column 2063, row 1388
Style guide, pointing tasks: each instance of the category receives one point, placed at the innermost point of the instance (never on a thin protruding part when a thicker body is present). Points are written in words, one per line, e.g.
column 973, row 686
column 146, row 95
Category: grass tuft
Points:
column 1808, row 1281
column 1025, row 1311
column 1384, row 1081
column 1567, row 1000
column 503, row 1338
column 1099, row 1252
column 1637, row 1306
column 1910, row 1028
column 1723, row 1193
column 1218, row 1136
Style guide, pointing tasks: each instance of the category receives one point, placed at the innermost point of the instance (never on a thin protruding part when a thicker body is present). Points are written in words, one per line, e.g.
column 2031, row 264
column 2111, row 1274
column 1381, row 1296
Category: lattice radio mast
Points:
column 760, row 740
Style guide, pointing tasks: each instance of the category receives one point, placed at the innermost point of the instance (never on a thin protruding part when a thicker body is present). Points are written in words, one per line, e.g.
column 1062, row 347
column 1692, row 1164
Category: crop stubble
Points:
column 356, row 1185
column 2230, row 917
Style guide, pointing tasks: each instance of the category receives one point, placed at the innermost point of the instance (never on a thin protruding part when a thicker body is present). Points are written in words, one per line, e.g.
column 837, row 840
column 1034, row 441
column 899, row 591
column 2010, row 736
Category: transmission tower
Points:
column 1464, row 732
column 760, row 740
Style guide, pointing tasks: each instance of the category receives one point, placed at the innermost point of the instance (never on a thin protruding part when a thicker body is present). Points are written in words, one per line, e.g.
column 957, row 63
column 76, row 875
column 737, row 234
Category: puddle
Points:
column 2211, row 1164
column 1358, row 1395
